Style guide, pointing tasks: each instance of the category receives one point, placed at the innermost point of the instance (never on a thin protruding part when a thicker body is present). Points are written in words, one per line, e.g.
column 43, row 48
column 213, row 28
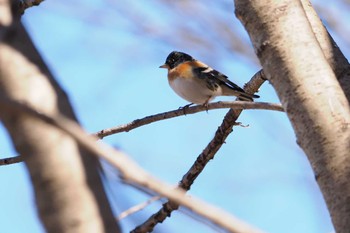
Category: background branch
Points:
column 68, row 191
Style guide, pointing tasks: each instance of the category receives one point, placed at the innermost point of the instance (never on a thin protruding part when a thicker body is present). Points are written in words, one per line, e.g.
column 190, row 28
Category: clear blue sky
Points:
column 110, row 71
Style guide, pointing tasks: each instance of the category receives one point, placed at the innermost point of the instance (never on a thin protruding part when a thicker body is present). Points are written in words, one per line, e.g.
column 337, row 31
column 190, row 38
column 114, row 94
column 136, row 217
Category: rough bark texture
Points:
column 298, row 69
column 68, row 189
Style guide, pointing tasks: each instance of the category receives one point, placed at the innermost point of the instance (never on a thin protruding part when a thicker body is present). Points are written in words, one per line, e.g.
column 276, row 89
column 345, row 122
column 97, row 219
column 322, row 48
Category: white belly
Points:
column 194, row 92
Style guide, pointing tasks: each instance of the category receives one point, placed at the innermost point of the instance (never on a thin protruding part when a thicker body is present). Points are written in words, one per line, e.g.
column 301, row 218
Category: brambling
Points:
column 197, row 82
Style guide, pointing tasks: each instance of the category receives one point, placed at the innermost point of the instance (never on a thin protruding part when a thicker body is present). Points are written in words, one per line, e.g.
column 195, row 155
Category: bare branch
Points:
column 11, row 160
column 167, row 115
column 131, row 171
column 208, row 153
column 186, row 111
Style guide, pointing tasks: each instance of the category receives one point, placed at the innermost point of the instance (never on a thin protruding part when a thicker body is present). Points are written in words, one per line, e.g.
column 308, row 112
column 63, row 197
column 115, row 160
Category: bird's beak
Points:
column 166, row 66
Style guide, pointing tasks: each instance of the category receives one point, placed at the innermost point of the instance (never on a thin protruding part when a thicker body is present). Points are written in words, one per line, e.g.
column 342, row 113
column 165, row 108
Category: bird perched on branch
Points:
column 197, row 82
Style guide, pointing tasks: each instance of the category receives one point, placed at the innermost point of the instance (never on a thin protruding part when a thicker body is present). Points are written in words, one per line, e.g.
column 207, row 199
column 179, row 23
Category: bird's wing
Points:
column 214, row 77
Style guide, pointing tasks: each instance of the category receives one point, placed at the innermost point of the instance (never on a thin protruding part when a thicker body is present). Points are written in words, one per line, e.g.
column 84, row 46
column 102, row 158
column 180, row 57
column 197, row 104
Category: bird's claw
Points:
column 185, row 107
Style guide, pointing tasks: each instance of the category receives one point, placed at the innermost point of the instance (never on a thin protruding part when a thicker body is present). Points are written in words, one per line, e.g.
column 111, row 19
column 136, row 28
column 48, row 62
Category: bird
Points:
column 197, row 82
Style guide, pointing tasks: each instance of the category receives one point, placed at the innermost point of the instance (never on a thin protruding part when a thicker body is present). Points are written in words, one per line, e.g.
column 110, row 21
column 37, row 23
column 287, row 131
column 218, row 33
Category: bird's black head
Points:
column 175, row 58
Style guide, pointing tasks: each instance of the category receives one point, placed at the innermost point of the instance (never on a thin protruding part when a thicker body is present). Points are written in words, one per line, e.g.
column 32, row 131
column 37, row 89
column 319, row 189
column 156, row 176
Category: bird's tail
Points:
column 237, row 91
column 247, row 97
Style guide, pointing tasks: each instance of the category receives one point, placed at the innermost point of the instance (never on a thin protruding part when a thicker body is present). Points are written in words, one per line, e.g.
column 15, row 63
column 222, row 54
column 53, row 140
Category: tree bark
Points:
column 68, row 190
column 330, row 49
column 295, row 64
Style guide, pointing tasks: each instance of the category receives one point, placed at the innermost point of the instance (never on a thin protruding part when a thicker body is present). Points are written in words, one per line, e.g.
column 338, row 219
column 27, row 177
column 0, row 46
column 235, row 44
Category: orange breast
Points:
column 183, row 70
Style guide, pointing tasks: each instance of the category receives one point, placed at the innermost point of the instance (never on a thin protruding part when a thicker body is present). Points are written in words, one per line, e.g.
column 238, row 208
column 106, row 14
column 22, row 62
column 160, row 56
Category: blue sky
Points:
column 108, row 64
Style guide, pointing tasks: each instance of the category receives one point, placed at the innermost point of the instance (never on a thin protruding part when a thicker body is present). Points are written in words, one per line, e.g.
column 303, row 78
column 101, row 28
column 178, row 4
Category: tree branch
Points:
column 11, row 160
column 208, row 153
column 186, row 111
column 167, row 115
column 129, row 170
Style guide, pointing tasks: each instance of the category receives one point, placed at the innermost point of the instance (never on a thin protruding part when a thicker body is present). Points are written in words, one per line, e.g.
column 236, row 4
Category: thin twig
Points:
column 130, row 171
column 138, row 207
column 11, row 160
column 186, row 111
column 208, row 153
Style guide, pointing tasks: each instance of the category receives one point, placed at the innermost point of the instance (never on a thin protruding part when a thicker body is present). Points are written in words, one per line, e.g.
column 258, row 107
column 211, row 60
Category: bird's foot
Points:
column 184, row 108
column 206, row 106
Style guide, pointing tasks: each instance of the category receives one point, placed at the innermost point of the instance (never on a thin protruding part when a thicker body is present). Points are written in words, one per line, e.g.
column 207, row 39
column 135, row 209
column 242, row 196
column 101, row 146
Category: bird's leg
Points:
column 206, row 103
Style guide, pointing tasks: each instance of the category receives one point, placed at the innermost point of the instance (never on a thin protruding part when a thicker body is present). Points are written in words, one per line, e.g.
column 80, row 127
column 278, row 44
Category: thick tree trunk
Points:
column 68, row 189
column 295, row 64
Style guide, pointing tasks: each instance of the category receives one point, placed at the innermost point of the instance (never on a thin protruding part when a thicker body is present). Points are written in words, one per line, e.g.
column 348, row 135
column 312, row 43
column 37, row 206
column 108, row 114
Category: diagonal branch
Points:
column 130, row 171
column 208, row 153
